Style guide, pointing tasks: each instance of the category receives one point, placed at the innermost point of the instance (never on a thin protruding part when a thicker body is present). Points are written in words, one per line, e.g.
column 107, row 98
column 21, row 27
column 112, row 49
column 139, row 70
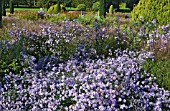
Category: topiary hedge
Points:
column 81, row 7
column 152, row 9
column 96, row 6
column 53, row 9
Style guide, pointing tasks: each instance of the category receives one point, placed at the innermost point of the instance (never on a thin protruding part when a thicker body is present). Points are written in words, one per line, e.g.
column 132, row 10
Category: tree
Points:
column 47, row 5
column 0, row 13
column 102, row 10
column 131, row 3
column 11, row 7
column 58, row 6
column 3, row 8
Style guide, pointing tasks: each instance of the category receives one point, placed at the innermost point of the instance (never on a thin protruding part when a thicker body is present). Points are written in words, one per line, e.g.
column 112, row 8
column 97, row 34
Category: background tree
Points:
column 102, row 10
column 0, row 13
column 58, row 6
column 3, row 8
column 89, row 3
column 11, row 7
column 48, row 5
column 131, row 3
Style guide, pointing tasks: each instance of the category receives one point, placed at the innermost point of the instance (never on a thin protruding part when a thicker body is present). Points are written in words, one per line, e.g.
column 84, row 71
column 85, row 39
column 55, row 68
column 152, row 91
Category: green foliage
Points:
column 111, row 9
column 160, row 68
column 10, row 58
column 81, row 7
column 11, row 7
column 75, row 3
column 41, row 3
column 47, row 5
column 57, row 18
column 53, row 9
column 152, row 9
column 96, row 6
column 88, row 3
column 58, row 8
column 86, row 19
column 122, row 5
column 102, row 11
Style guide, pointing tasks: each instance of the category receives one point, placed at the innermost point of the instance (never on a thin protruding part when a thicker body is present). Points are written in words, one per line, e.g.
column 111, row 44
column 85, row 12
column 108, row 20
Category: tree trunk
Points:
column 118, row 3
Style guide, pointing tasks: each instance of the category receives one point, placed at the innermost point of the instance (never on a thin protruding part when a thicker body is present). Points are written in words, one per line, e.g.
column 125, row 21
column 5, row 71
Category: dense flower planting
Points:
column 72, row 67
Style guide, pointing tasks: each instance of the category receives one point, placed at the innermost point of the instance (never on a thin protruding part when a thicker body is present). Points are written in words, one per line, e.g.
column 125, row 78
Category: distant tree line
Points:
column 71, row 3
column 68, row 3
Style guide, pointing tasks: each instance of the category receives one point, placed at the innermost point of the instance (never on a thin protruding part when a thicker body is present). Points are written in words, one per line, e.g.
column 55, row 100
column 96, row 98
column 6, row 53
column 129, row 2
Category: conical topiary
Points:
column 58, row 8
column 47, row 5
column 11, row 7
column 111, row 9
column 102, row 10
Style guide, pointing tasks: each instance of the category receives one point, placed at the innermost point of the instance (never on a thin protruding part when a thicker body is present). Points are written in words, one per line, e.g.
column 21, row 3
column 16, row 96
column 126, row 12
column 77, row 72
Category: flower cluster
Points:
column 73, row 67
column 159, row 38
column 109, row 84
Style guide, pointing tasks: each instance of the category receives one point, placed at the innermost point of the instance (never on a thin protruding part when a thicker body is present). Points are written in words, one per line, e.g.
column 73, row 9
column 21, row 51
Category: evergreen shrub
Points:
column 152, row 9
column 11, row 7
column 102, row 10
column 122, row 5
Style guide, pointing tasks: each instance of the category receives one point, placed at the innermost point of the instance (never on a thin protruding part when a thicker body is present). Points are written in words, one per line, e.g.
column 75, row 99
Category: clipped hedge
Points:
column 53, row 9
column 152, row 9
column 81, row 7
column 96, row 6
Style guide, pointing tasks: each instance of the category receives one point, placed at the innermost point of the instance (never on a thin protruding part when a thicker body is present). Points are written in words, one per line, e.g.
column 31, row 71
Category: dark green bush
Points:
column 81, row 7
column 122, row 5
column 47, row 5
column 160, row 69
column 152, row 9
column 102, row 10
column 58, row 8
